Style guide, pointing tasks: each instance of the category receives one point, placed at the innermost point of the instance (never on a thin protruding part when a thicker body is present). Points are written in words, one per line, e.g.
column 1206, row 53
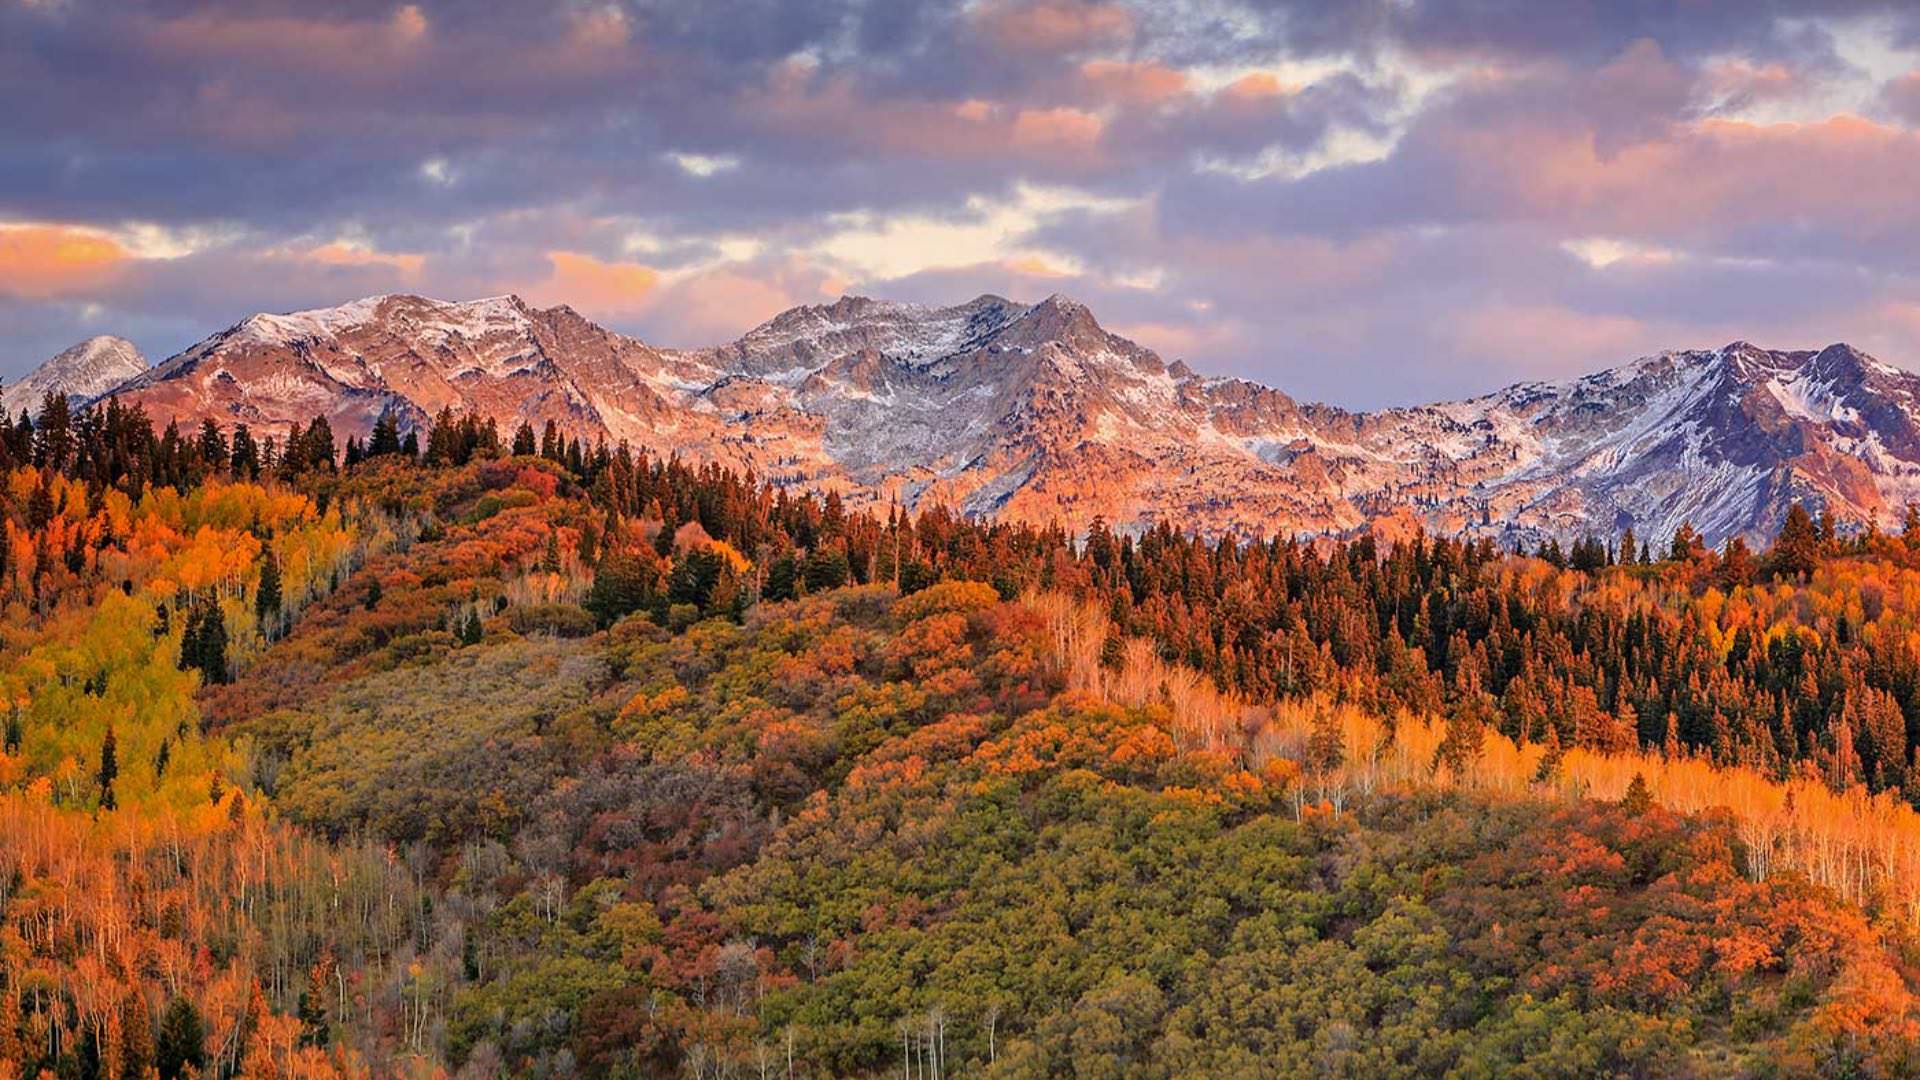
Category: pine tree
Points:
column 523, row 444
column 783, row 577
column 182, row 1042
column 245, row 459
column 53, row 433
column 827, row 568
column 204, row 644
column 109, row 768
column 189, row 638
column 320, row 449
column 15, row 736
column 266, row 596
column 1638, row 799
column 1797, row 551
column 374, row 592
column 385, row 440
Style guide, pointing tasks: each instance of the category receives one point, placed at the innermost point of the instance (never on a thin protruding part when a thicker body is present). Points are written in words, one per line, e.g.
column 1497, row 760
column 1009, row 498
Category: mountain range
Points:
column 1035, row 412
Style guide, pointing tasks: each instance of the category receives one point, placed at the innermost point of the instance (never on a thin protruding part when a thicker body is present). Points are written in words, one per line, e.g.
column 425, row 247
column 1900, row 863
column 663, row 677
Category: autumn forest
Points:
column 469, row 752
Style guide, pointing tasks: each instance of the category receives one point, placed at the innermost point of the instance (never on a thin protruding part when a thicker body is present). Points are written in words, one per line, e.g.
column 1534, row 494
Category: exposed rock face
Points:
column 83, row 373
column 1038, row 413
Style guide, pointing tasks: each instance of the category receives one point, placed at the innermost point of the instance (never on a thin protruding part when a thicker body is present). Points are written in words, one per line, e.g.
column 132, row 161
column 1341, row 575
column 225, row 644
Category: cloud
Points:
column 596, row 287
column 1053, row 25
column 1133, row 82
column 46, row 262
column 1365, row 201
column 1902, row 97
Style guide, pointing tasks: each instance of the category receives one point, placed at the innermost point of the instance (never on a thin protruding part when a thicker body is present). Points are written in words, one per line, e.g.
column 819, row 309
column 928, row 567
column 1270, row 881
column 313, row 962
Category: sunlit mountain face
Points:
column 1036, row 413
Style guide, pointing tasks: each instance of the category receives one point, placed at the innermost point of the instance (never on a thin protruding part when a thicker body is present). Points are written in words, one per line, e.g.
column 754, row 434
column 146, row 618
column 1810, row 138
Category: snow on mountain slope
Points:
column 83, row 372
column 1036, row 412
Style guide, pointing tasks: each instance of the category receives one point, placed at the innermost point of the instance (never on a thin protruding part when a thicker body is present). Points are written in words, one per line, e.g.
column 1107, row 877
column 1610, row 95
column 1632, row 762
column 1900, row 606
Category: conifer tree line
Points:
column 1628, row 654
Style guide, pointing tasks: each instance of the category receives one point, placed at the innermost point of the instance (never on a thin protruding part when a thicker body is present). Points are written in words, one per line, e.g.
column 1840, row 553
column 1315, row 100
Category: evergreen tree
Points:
column 40, row 508
column 1797, row 551
column 53, row 433
column 213, row 446
column 523, row 444
column 109, row 768
column 622, row 585
column 1638, row 799
column 696, row 578
column 385, row 440
column 204, row 644
column 15, row 736
column 827, row 568
column 783, row 578
column 320, row 445
column 245, row 458
column 266, row 596
column 182, row 1041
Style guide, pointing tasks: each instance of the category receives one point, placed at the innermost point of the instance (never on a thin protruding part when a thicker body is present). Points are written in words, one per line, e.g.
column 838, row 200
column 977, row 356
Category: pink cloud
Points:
column 1737, row 83
column 46, row 261
column 339, row 46
column 1073, row 130
column 1692, row 180
column 594, row 286
column 1134, row 83
column 1053, row 25
column 1258, row 89
column 797, row 101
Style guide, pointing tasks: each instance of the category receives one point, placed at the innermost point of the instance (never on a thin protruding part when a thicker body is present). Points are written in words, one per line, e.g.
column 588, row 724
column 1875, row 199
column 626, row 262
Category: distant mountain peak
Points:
column 82, row 372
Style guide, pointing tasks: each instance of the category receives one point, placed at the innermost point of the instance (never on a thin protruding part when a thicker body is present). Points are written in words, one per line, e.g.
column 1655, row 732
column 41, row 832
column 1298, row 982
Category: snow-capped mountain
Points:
column 82, row 372
column 1036, row 412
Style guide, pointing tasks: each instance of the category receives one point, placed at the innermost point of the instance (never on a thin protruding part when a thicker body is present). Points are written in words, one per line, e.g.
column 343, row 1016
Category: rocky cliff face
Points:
column 1036, row 412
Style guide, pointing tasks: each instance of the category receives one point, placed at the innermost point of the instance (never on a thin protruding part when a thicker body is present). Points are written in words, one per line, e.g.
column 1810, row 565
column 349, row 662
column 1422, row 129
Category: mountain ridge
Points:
column 1037, row 412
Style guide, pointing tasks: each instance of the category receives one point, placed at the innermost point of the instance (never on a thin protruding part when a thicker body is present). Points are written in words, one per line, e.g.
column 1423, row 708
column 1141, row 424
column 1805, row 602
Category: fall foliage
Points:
column 529, row 758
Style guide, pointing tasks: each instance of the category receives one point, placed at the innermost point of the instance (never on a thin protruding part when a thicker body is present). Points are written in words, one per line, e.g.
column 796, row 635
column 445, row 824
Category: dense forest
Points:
column 475, row 753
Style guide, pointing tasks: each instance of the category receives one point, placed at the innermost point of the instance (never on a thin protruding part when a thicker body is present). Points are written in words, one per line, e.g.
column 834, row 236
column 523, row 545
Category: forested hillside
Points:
column 504, row 755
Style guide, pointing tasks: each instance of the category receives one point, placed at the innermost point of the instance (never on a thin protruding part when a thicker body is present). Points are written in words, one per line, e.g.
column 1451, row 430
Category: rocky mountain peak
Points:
column 83, row 372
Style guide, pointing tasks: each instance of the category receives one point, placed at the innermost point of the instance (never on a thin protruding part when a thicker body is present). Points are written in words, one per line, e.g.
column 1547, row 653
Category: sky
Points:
column 1369, row 203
